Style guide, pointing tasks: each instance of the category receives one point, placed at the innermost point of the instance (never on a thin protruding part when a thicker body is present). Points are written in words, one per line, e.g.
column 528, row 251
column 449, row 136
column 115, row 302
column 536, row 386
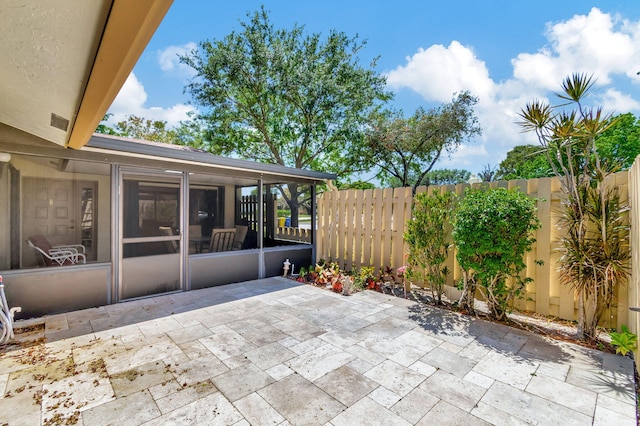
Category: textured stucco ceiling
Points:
column 62, row 62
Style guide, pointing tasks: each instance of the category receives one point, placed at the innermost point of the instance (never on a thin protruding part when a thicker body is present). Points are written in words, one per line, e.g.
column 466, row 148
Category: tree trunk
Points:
column 294, row 204
column 467, row 299
column 580, row 335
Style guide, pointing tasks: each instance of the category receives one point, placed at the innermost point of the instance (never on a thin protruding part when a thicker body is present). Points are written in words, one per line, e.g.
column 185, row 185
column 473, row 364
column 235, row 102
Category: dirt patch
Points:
column 127, row 375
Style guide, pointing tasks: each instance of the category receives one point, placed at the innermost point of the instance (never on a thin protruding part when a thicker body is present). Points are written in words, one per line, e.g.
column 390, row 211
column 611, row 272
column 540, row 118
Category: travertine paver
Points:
column 450, row 362
column 368, row 412
column 139, row 378
column 257, row 411
column 181, row 396
column 133, row 409
column 395, row 377
column 275, row 352
column 444, row 413
column 300, row 401
column 242, row 381
column 531, row 408
column 346, row 385
column 415, row 405
column 506, row 368
column 316, row 363
column 213, row 409
column 579, row 399
column 453, row 390
column 269, row 355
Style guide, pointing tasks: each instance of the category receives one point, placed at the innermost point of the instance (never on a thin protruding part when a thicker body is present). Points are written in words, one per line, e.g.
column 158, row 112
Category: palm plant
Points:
column 594, row 244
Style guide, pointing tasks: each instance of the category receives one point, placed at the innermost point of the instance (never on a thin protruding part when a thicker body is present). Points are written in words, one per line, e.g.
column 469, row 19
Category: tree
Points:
column 283, row 97
column 524, row 162
column 145, row 129
column 492, row 231
column 488, row 173
column 188, row 132
column 447, row 177
column 619, row 144
column 434, row 177
column 402, row 147
column 595, row 238
column 356, row 185
column 104, row 129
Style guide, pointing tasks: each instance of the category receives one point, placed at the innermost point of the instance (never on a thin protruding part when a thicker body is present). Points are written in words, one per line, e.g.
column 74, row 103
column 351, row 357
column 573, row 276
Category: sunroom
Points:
column 121, row 219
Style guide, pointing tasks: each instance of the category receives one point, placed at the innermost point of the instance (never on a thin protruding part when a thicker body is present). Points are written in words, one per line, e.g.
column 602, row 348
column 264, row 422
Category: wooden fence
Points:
column 634, row 237
column 300, row 235
column 365, row 228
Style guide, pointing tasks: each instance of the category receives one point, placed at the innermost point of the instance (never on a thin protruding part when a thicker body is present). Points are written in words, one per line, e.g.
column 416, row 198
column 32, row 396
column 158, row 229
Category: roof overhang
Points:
column 184, row 156
column 64, row 62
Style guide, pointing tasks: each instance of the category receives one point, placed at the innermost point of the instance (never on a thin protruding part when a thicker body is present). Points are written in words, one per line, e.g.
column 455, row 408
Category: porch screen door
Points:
column 150, row 250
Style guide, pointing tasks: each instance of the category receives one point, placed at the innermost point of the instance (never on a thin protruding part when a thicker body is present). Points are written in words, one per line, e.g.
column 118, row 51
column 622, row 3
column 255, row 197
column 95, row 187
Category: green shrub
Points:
column 624, row 341
column 492, row 231
column 363, row 277
column 428, row 236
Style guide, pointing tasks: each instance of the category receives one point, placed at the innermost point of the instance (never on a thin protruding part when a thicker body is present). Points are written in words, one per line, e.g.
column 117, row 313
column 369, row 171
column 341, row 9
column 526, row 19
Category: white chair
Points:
column 68, row 254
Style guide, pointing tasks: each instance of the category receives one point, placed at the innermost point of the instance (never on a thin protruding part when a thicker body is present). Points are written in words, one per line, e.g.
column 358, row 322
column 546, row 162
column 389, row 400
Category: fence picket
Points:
column 367, row 210
column 633, row 186
column 376, row 226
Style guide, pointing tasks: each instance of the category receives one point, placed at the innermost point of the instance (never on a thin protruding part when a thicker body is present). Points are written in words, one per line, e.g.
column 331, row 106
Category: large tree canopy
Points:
column 406, row 149
column 619, row 144
column 525, row 162
column 186, row 133
column 434, row 177
column 285, row 97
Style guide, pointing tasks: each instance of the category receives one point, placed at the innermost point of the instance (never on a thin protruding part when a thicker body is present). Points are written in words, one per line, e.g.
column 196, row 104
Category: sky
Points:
column 506, row 53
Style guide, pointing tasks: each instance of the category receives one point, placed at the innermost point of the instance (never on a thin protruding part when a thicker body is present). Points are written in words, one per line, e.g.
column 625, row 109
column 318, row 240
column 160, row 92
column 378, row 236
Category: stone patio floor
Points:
column 274, row 352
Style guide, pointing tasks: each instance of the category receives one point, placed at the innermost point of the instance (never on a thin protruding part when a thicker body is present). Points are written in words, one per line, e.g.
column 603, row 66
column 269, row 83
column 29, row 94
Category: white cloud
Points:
column 618, row 102
column 169, row 59
column 471, row 156
column 598, row 43
column 439, row 71
column 132, row 99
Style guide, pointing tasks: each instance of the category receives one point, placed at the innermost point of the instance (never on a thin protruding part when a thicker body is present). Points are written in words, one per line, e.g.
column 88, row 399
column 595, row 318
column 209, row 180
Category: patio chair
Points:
column 241, row 234
column 222, row 239
column 48, row 255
